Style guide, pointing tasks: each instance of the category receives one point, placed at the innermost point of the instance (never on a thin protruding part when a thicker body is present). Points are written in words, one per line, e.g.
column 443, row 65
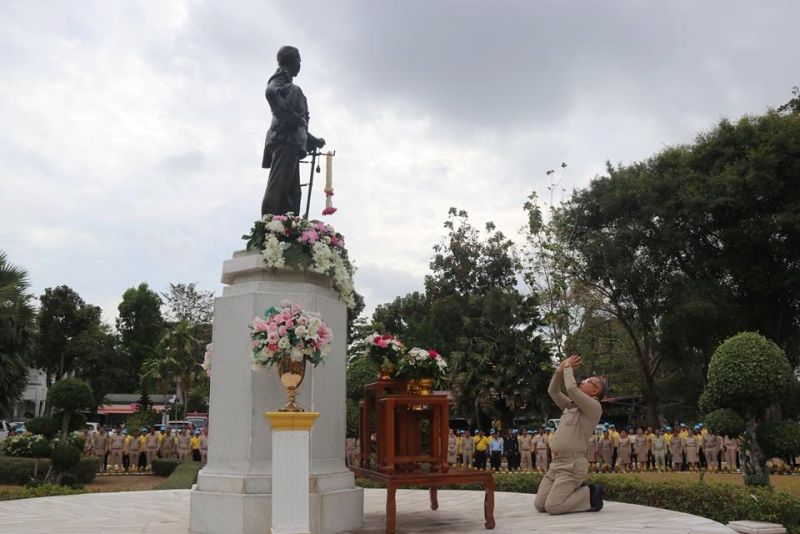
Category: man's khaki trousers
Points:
column 561, row 490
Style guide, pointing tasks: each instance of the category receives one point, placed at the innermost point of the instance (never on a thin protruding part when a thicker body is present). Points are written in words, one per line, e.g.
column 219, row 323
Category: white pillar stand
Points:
column 234, row 490
column 290, row 459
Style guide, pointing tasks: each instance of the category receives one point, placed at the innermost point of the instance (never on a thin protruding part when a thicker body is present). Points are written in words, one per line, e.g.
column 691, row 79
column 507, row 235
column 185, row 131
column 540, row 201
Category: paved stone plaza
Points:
column 162, row 512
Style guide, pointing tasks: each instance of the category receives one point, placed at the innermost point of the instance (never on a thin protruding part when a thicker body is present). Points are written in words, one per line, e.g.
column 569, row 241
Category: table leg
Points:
column 488, row 504
column 434, row 498
column 391, row 508
column 389, row 438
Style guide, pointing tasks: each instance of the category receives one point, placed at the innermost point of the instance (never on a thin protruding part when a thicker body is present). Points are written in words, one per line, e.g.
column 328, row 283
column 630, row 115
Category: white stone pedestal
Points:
column 233, row 492
column 290, row 433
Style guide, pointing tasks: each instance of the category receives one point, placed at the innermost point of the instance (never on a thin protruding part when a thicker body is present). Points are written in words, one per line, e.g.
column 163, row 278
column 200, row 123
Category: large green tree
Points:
column 499, row 365
column 140, row 326
column 64, row 321
column 16, row 327
column 696, row 243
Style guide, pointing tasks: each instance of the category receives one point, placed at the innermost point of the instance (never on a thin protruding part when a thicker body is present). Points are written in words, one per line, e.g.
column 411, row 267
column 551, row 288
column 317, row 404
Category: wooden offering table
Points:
column 433, row 481
column 401, row 458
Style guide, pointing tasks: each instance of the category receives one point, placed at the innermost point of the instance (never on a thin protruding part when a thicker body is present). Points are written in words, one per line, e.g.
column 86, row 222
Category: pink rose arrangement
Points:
column 384, row 349
column 289, row 331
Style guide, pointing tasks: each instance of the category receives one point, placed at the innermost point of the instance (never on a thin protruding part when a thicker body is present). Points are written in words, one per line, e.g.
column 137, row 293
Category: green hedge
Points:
column 717, row 501
column 164, row 466
column 182, row 478
column 45, row 490
column 20, row 470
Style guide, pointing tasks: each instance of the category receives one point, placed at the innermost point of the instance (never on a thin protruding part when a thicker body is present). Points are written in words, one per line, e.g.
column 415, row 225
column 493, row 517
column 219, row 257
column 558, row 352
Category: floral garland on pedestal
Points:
column 294, row 242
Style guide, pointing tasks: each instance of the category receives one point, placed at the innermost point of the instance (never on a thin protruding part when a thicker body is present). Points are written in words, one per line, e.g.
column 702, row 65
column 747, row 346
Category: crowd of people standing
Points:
column 135, row 451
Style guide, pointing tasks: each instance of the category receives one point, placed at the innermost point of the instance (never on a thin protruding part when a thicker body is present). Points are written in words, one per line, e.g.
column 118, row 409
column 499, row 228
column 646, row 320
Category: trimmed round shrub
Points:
column 46, row 426
column 705, row 403
column 747, row 373
column 86, row 470
column 40, row 449
column 779, row 438
column 65, row 457
column 165, row 466
column 725, row 422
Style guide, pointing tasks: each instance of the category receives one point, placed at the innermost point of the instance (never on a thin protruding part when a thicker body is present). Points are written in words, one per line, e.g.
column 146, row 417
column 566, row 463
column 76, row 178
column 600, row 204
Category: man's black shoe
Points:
column 595, row 497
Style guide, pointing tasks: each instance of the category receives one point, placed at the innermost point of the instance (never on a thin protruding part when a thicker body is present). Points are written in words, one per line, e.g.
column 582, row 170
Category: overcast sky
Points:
column 131, row 133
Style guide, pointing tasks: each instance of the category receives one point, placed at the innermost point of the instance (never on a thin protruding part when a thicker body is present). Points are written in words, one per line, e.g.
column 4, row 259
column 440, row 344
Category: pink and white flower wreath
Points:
column 289, row 331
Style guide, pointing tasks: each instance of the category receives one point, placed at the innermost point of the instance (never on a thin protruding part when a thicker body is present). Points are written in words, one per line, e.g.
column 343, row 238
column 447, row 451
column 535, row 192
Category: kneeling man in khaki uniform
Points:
column 563, row 488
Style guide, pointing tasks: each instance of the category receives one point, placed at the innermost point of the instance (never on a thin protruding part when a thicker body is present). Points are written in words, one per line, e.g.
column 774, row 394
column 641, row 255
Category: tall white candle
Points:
column 329, row 171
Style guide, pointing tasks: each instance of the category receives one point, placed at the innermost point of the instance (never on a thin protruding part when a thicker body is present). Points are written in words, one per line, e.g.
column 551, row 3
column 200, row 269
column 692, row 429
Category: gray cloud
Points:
column 131, row 133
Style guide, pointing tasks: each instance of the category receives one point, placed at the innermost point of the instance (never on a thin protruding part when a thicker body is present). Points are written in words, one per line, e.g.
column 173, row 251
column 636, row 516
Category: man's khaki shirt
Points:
column 579, row 417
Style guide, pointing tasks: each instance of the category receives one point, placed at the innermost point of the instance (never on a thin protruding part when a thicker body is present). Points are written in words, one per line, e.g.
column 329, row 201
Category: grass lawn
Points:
column 113, row 483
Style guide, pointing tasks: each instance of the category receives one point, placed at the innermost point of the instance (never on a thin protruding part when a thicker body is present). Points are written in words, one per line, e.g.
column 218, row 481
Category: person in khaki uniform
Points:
column 134, row 450
column 642, row 449
column 115, row 446
column 605, row 450
column 167, row 446
column 467, row 449
column 711, row 450
column 540, row 447
column 204, row 448
column 452, row 447
column 690, row 448
column 184, row 445
column 151, row 446
column 731, row 449
column 563, row 488
column 526, row 449
column 625, row 447
column 100, row 448
column 591, row 453
column 676, row 450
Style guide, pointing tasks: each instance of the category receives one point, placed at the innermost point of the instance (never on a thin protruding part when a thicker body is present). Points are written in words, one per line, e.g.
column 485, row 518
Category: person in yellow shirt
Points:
column 195, row 444
column 614, row 435
column 481, row 446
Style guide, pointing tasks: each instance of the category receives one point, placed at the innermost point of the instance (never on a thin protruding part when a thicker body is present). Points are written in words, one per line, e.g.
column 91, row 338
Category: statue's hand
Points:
column 320, row 142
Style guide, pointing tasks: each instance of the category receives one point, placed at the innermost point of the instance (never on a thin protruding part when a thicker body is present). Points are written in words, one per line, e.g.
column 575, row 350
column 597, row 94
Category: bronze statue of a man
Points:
column 288, row 139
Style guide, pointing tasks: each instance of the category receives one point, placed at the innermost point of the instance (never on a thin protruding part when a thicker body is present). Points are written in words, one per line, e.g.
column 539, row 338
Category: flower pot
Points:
column 412, row 387
column 291, row 373
column 425, row 386
column 386, row 370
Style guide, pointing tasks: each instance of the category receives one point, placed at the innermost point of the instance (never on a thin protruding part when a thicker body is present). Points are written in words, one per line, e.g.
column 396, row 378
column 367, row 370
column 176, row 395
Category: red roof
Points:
column 111, row 409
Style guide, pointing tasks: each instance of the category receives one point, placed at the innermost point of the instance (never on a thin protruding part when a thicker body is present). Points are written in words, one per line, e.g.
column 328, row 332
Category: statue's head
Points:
column 289, row 58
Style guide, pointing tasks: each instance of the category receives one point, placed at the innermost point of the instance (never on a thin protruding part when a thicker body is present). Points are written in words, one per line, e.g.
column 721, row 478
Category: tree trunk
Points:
column 65, row 428
column 653, row 402
column 754, row 470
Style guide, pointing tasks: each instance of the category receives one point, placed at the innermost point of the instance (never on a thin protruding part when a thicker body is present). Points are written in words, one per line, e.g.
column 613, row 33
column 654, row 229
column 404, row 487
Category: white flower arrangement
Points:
column 423, row 363
column 206, row 365
column 291, row 241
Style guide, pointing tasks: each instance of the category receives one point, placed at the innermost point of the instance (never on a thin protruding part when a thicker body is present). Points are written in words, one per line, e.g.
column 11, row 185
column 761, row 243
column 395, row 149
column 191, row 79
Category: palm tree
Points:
column 176, row 359
column 16, row 324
